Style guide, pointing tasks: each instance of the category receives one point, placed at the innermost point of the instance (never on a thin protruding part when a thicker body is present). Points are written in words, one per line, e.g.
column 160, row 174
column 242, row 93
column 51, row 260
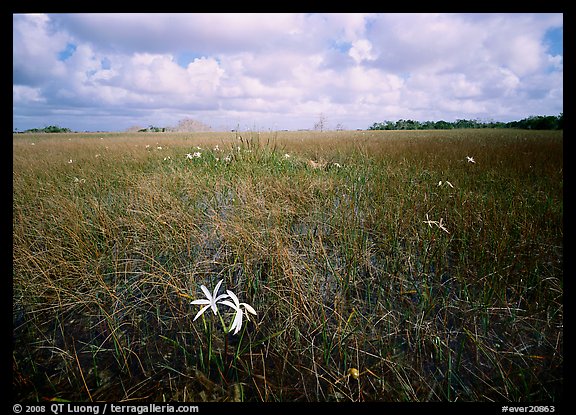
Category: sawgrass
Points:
column 324, row 234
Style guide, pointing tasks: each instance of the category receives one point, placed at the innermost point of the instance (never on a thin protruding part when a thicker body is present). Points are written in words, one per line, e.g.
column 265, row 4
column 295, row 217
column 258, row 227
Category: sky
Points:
column 110, row 72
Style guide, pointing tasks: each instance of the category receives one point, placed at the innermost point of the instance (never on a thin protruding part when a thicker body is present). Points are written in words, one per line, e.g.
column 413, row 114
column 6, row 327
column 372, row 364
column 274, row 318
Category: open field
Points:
column 388, row 252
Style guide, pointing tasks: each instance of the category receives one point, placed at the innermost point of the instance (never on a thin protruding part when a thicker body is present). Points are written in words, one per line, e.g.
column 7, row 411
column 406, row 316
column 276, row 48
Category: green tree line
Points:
column 49, row 129
column 539, row 122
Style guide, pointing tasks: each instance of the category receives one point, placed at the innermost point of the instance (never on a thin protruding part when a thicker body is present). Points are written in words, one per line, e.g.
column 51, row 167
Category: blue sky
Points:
column 110, row 72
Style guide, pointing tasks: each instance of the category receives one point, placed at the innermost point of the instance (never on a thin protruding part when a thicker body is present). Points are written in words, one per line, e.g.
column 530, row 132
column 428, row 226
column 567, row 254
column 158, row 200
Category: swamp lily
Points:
column 435, row 222
column 211, row 300
column 446, row 182
column 237, row 323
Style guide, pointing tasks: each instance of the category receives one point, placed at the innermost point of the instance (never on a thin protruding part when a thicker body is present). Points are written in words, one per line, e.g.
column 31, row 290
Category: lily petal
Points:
column 249, row 308
column 229, row 304
column 238, row 321
column 215, row 297
column 202, row 301
column 234, row 298
column 206, row 292
column 201, row 311
column 217, row 288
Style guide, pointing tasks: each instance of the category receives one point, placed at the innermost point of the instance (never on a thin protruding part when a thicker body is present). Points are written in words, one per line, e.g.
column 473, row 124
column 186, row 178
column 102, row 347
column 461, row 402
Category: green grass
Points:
column 337, row 260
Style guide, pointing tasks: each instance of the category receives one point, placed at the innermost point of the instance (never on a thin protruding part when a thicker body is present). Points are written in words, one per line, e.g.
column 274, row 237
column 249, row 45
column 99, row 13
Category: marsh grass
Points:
column 337, row 260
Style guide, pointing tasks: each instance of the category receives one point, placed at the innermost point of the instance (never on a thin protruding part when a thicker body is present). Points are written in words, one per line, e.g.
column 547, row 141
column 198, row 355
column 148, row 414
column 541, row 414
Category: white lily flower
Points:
column 441, row 226
column 435, row 222
column 210, row 301
column 430, row 222
column 237, row 323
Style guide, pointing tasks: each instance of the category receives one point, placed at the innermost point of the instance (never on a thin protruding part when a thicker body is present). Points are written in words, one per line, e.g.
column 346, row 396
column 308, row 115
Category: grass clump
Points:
column 372, row 277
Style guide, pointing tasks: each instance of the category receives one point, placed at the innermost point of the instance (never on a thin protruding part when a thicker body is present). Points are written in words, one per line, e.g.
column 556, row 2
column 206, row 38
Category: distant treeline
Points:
column 49, row 129
column 539, row 122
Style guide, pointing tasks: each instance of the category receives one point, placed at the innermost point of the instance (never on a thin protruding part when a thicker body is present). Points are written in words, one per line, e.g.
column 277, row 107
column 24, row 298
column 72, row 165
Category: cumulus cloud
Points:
column 283, row 70
column 35, row 50
column 361, row 50
column 22, row 95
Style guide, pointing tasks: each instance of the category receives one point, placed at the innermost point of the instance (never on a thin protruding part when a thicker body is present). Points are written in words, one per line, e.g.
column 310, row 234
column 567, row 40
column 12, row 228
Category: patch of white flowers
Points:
column 195, row 155
column 213, row 299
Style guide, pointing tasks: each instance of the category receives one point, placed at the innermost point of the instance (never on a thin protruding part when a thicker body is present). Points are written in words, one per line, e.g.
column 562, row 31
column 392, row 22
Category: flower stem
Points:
column 226, row 353
column 226, row 331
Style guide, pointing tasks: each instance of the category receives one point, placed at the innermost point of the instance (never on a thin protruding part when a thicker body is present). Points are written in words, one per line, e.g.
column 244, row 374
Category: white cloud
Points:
column 361, row 50
column 154, row 75
column 22, row 94
column 35, row 50
column 250, row 67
